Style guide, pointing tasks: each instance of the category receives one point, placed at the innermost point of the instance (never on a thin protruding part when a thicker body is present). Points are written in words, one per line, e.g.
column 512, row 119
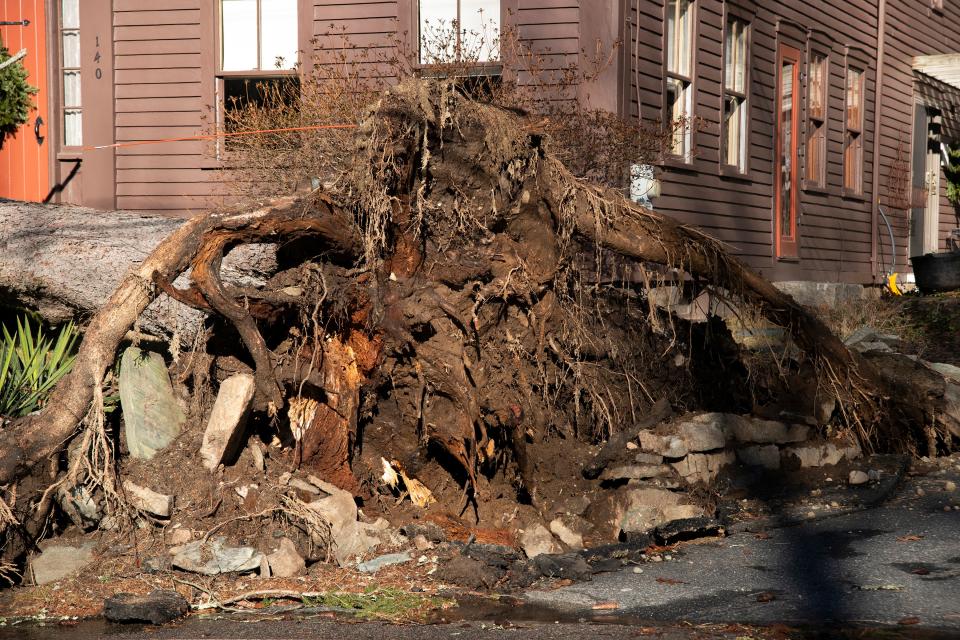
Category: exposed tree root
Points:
column 462, row 285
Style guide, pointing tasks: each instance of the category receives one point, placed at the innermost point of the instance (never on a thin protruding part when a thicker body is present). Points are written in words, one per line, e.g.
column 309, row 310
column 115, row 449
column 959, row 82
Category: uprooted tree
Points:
column 459, row 284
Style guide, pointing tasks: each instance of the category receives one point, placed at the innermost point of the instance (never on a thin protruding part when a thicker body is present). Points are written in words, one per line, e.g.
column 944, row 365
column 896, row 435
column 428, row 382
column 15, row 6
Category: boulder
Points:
column 225, row 428
column 703, row 436
column 214, row 557
column 157, row 607
column 703, row 467
column 645, row 509
column 648, row 458
column 822, row 454
column 152, row 417
column 635, row 472
column 760, row 455
column 58, row 561
column 286, row 562
column 666, row 446
column 536, row 539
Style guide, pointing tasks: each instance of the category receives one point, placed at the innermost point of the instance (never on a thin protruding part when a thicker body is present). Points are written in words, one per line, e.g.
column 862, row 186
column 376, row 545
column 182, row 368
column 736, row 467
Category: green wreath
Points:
column 15, row 96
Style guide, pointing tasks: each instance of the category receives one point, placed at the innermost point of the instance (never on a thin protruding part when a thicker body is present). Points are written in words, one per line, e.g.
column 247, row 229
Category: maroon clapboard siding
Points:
column 163, row 62
column 913, row 29
column 835, row 231
column 165, row 78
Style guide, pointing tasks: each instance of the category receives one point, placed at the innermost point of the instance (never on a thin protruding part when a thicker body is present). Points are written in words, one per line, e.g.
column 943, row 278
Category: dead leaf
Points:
column 763, row 535
column 909, row 538
column 606, row 606
column 663, row 580
column 909, row 620
column 920, row 571
column 766, row 596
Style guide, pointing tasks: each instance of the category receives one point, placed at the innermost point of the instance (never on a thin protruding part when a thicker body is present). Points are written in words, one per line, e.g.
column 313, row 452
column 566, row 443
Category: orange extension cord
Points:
column 214, row 136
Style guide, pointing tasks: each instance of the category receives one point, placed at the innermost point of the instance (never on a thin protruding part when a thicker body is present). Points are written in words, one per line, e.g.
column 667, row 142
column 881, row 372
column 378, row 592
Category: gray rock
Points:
column 151, row 415
column 703, row 467
column 58, row 561
column 225, row 429
column 946, row 370
column 703, row 436
column 148, row 500
column 570, row 530
column 349, row 538
column 286, row 562
column 537, row 539
column 215, row 557
column 179, row 536
column 157, row 607
column 858, row 477
column 823, row 454
column 81, row 507
column 635, row 472
column 648, row 458
column 645, row 509
column 666, row 446
column 760, row 455
column 372, row 566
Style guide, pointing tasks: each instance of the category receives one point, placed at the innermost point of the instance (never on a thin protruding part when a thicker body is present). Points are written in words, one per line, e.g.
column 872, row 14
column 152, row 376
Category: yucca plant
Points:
column 31, row 363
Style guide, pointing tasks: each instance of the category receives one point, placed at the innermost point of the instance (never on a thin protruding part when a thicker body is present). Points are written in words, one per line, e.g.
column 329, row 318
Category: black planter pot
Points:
column 937, row 272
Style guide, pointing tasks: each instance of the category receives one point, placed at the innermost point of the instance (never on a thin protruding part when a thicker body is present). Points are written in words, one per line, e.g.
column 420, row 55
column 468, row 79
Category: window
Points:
column 786, row 151
column 679, row 76
column 72, row 104
column 853, row 136
column 817, row 83
column 735, row 95
column 258, row 35
column 459, row 31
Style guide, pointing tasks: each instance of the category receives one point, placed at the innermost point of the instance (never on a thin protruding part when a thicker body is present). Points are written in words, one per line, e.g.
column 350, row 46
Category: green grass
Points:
column 379, row 603
column 31, row 362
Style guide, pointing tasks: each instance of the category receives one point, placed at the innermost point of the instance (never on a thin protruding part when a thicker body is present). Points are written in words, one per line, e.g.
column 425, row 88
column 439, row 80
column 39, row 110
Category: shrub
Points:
column 31, row 363
column 15, row 97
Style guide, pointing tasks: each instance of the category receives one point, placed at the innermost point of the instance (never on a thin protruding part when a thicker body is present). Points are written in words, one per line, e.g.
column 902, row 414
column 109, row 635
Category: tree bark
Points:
column 64, row 262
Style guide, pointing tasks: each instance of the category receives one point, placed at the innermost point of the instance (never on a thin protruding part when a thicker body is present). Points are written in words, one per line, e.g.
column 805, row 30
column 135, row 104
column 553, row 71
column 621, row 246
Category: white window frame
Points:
column 735, row 106
column 488, row 53
column 678, row 90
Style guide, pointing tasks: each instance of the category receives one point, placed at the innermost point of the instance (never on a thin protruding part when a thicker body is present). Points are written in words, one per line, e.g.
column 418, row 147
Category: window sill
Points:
column 70, row 154
column 791, row 259
column 679, row 163
column 256, row 73
column 816, row 189
column 856, row 196
column 730, row 172
column 478, row 70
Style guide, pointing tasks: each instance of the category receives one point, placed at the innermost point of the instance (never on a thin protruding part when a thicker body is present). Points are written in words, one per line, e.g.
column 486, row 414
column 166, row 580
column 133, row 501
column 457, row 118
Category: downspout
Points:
column 877, row 120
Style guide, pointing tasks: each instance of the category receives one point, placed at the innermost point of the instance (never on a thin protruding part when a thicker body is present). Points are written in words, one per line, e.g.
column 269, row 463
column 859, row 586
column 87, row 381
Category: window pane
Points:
column 71, row 49
column 735, row 127
column 786, row 148
column 679, row 30
column 279, row 35
column 854, row 98
column 71, row 88
column 480, row 29
column 438, row 41
column 678, row 102
column 72, row 128
column 70, row 14
column 817, row 87
column 740, row 71
column 239, row 34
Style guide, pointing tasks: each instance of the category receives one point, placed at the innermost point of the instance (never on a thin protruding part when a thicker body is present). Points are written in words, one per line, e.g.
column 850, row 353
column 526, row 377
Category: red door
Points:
column 24, row 172
column 785, row 153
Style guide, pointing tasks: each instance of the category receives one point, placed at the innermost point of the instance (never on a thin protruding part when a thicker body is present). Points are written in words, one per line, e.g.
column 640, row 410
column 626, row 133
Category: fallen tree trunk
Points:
column 446, row 278
column 64, row 262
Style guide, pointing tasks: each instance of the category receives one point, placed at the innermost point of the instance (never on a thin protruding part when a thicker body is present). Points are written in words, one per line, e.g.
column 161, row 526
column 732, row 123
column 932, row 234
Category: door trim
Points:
column 786, row 241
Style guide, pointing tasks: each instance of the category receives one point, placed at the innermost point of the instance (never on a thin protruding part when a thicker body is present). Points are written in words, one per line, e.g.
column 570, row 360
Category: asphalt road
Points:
column 898, row 562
